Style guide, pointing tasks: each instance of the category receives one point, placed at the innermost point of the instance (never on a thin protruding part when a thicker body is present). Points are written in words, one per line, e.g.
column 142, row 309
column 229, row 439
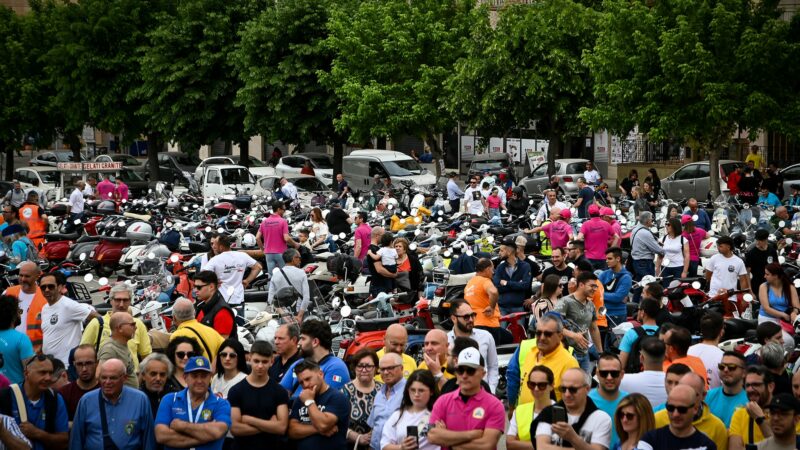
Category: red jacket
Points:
column 733, row 182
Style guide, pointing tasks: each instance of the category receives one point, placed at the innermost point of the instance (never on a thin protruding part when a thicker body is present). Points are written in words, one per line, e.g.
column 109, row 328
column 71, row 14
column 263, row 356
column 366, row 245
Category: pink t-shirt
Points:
column 616, row 227
column 596, row 233
column 105, row 190
column 481, row 411
column 695, row 240
column 558, row 233
column 272, row 230
column 122, row 190
column 363, row 233
column 493, row 202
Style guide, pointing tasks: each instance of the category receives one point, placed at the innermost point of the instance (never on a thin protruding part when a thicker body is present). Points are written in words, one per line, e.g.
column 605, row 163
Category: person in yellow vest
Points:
column 394, row 341
column 704, row 421
column 547, row 350
column 34, row 217
column 541, row 382
column 31, row 302
column 435, row 356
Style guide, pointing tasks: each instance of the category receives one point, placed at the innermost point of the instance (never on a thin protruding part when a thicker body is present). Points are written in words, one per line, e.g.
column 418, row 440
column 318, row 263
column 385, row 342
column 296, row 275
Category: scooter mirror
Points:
column 102, row 281
column 711, row 232
column 504, row 212
column 601, row 311
column 696, row 285
column 417, row 219
column 121, row 223
column 441, row 213
column 748, row 298
column 220, row 230
column 403, row 221
column 88, row 277
column 168, row 224
column 195, row 206
column 361, row 199
column 151, row 255
column 149, row 191
column 346, row 311
column 403, row 214
column 412, row 246
column 753, row 220
column 469, row 231
column 695, row 217
column 208, row 229
column 782, row 223
column 335, row 302
column 342, row 235
column 238, row 211
column 781, row 259
column 390, row 206
column 234, row 217
column 533, row 216
column 174, row 258
column 530, row 202
column 124, row 201
column 447, row 254
column 185, row 208
column 82, row 257
column 417, row 232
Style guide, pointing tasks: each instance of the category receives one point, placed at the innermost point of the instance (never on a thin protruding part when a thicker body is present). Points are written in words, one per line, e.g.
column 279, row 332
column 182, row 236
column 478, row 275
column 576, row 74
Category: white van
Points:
column 361, row 166
column 225, row 180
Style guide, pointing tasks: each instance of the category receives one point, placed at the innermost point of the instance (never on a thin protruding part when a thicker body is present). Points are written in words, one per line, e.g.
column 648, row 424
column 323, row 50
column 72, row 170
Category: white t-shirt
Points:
column 320, row 229
column 395, row 431
column 474, row 198
column 229, row 267
column 220, row 387
column 62, row 325
column 592, row 177
column 711, row 356
column 25, row 301
column 544, row 210
column 596, row 430
column 76, row 201
column 725, row 272
column 649, row 383
column 673, row 250
column 388, row 256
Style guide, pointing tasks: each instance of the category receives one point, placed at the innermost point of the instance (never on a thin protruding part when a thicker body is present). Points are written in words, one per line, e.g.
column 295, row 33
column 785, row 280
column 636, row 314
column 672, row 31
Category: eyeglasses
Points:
column 470, row 316
column 47, row 287
column 365, row 366
column 606, row 373
column 182, row 355
column 681, row 409
column 627, row 416
column 120, row 299
column 547, row 334
column 541, row 385
column 729, row 367
column 470, row 371
column 572, row 389
column 390, row 368
column 230, row 355
column 755, row 385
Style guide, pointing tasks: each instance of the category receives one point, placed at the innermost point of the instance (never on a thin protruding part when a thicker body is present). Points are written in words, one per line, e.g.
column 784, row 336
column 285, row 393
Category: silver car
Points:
column 791, row 175
column 567, row 169
column 694, row 180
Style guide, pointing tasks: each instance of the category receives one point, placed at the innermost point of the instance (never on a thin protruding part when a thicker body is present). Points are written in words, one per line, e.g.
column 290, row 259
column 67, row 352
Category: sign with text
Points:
column 89, row 166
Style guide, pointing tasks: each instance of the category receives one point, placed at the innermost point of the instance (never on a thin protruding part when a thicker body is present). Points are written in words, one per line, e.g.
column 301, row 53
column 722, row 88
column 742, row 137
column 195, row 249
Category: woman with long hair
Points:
column 695, row 236
column 179, row 351
column 319, row 227
column 676, row 252
column 361, row 392
column 541, row 382
column 655, row 181
column 415, row 411
column 549, row 294
column 779, row 301
column 409, row 268
column 629, row 183
column 633, row 418
column 231, row 367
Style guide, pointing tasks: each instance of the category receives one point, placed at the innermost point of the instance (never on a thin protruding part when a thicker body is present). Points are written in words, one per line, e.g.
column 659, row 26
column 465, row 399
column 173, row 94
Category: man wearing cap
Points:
column 607, row 214
column 784, row 417
column 598, row 236
column 469, row 414
column 193, row 418
column 454, row 193
column 551, row 202
column 759, row 256
column 558, row 231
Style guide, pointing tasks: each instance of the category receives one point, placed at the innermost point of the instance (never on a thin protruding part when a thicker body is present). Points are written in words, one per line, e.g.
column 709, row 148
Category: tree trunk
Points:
column 9, row 160
column 433, row 143
column 713, row 169
column 380, row 143
column 244, row 152
column 74, row 143
column 153, row 143
column 554, row 149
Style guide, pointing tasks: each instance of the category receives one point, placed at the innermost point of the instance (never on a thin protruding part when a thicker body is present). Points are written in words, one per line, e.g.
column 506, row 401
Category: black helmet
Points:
column 517, row 191
column 739, row 240
column 286, row 296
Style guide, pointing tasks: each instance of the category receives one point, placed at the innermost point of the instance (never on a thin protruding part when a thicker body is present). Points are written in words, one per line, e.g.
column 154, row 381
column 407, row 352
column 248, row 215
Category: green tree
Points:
column 11, row 75
column 528, row 68
column 693, row 71
column 392, row 60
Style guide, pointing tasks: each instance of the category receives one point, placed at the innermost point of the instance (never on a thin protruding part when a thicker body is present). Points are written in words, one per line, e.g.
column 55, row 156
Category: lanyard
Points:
column 193, row 419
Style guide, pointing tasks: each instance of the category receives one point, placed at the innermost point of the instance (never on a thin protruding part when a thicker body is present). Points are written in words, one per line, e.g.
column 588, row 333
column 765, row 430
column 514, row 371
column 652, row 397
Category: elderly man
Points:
column 97, row 332
column 644, row 248
column 122, row 330
column 435, row 356
column 184, row 316
column 389, row 397
column 782, row 215
column 692, row 209
column 16, row 196
column 704, row 421
column 85, row 361
column 193, row 417
column 551, row 203
column 289, row 190
column 31, row 302
column 454, row 192
column 212, row 308
column 395, row 341
column 62, row 317
column 680, row 433
column 287, row 337
column 463, row 317
column 115, row 413
column 320, row 415
column 155, row 372
column 230, row 267
column 291, row 276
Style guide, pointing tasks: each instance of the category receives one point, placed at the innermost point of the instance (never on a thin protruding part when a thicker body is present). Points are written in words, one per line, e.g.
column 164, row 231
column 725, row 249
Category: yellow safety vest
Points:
column 546, row 248
column 525, row 347
column 524, row 414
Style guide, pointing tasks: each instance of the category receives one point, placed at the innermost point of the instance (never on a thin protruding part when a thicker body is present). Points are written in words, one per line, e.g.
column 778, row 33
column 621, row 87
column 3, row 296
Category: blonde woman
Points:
column 633, row 418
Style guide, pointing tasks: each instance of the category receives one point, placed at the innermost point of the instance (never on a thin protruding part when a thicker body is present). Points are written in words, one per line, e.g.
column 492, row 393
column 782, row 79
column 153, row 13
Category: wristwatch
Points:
column 760, row 420
column 309, row 402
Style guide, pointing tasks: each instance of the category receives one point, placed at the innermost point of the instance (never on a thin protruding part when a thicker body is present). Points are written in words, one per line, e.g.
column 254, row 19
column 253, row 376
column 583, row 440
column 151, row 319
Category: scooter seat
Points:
column 375, row 324
column 254, row 296
column 199, row 247
column 87, row 238
column 114, row 239
column 61, row 237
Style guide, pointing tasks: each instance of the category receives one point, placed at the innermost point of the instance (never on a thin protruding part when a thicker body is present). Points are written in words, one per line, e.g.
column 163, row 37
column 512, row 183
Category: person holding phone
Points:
column 408, row 426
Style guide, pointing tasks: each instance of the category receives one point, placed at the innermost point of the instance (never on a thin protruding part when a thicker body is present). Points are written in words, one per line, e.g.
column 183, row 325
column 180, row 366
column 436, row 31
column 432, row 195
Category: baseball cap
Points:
column 685, row 218
column 594, row 210
column 762, row 234
column 469, row 357
column 606, row 211
column 566, row 214
column 197, row 363
column 784, row 401
column 521, row 241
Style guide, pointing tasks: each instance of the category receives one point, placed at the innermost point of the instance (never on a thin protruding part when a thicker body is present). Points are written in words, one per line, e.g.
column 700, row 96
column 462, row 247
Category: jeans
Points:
column 332, row 247
column 584, row 362
column 72, row 218
column 273, row 260
column 598, row 264
column 693, row 266
column 670, row 273
column 455, row 205
column 343, row 202
column 642, row 267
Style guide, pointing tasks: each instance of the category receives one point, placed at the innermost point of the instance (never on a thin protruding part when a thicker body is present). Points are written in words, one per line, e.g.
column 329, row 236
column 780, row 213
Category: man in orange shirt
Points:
column 678, row 340
column 482, row 295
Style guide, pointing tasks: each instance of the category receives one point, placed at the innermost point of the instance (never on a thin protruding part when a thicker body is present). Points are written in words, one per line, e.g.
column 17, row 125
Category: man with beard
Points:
column 607, row 395
column 703, row 419
column 315, row 345
column 759, row 386
column 320, row 414
column 85, row 361
column 578, row 307
column 122, row 329
column 784, row 418
column 156, row 373
column 680, row 433
column 286, row 351
column 463, row 318
column 724, row 400
column 559, row 268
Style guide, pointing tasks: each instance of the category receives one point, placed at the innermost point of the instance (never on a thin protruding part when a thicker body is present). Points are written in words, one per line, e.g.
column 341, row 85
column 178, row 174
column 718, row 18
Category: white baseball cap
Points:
column 469, row 357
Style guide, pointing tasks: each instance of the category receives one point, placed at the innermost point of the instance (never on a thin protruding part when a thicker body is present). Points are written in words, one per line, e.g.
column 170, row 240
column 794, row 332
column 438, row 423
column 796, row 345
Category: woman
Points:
column 409, row 269
column 551, row 291
column 307, row 169
column 779, row 302
column 179, row 351
column 676, row 251
column 601, row 195
column 695, row 236
column 629, row 183
column 517, row 204
column 415, row 411
column 639, row 201
column 319, row 227
column 494, row 203
column 674, row 211
column 655, row 181
column 540, row 382
column 650, row 196
column 633, row 418
column 361, row 393
column 231, row 367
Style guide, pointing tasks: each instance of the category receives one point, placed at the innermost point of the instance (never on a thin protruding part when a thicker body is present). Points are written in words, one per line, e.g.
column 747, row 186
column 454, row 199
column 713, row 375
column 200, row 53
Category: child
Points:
column 303, row 238
column 494, row 202
column 387, row 255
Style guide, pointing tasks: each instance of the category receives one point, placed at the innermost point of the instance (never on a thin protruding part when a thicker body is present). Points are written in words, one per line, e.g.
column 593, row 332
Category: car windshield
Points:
column 187, row 159
column 309, row 184
column 576, row 168
column 489, row 165
column 402, row 168
column 321, row 162
column 126, row 160
column 255, row 162
column 727, row 168
column 51, row 177
column 129, row 175
column 236, row 176
column 65, row 157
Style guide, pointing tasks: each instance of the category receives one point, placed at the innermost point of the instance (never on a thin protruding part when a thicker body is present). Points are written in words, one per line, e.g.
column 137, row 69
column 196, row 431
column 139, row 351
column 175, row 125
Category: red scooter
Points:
column 106, row 256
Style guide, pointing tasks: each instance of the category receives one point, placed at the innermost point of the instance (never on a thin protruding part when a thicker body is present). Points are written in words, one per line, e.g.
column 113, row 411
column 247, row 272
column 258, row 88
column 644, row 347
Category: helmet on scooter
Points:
column 739, row 240
column 249, row 240
column 139, row 232
column 286, row 296
column 173, row 203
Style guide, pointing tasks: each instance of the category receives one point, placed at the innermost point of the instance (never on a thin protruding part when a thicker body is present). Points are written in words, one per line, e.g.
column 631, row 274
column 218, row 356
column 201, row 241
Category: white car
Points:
column 257, row 167
column 225, row 180
column 53, row 158
column 307, row 186
column 293, row 164
column 49, row 179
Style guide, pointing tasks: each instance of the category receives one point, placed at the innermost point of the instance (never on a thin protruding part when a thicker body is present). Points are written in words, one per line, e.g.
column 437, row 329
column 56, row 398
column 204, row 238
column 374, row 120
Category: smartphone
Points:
column 559, row 414
column 412, row 431
column 751, row 447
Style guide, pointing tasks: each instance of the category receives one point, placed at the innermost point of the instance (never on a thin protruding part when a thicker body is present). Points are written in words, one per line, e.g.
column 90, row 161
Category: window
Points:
column 791, row 173
column 727, row 168
column 236, row 176
column 309, row 184
column 540, row 171
column 702, row 171
column 686, row 173
column 103, row 158
column 268, row 184
column 402, row 168
column 185, row 159
column 376, row 168
column 573, row 168
column 293, row 161
column 255, row 162
column 23, row 176
column 321, row 161
column 50, row 157
column 213, row 177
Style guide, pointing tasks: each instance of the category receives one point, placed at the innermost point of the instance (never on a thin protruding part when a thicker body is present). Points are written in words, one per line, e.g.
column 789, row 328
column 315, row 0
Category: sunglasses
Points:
column 47, row 287
column 467, row 316
column 572, row 389
column 606, row 373
column 542, row 385
column 468, row 370
column 182, row 355
column 230, row 355
column 627, row 416
column 199, row 286
column 729, row 367
column 39, row 358
column 547, row 334
column 681, row 409
column 755, row 385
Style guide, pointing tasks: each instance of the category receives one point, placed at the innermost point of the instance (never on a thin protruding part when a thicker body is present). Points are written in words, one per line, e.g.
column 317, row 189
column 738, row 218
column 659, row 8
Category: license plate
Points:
column 436, row 302
column 340, row 353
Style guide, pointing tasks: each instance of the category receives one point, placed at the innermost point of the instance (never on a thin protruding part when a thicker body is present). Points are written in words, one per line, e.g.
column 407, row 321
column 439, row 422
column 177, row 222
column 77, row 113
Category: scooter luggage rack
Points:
column 78, row 292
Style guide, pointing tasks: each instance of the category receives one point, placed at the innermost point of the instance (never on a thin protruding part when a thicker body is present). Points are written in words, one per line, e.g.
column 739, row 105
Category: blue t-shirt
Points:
column 770, row 200
column 587, row 194
column 331, row 401
column 609, row 408
column 722, row 405
column 630, row 338
column 214, row 409
column 335, row 370
column 36, row 415
column 14, row 347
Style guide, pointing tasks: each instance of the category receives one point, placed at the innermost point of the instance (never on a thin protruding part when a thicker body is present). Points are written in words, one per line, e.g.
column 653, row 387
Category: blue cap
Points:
column 196, row 363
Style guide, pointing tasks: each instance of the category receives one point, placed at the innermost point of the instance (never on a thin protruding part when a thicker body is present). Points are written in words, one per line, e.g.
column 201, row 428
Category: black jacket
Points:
column 214, row 306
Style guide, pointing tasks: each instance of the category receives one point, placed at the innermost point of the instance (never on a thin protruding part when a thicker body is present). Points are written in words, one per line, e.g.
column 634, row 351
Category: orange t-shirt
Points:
column 475, row 294
column 694, row 363
column 598, row 301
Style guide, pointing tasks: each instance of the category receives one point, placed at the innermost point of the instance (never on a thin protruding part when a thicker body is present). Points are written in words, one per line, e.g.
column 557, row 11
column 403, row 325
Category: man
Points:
column 115, row 413
column 286, row 352
column 754, row 157
column 315, row 346
column 10, row 217
column 230, row 267
column 474, row 203
column 212, row 308
column 389, row 396
column 782, row 215
column 680, row 433
column 463, row 317
column 88, row 190
column 342, row 189
column 98, row 331
column 558, row 231
column 648, row 311
column 105, row 189
column 434, row 355
column 512, row 280
column 692, row 209
column 591, row 174
column 767, row 198
column 598, row 236
column 60, row 376
column 361, row 237
column 453, row 350
column 85, row 362
column 644, row 247
column 273, row 236
column 293, row 277
column 45, row 423
column 672, row 378
column 733, row 181
column 482, row 295
column 796, row 385
column 607, row 394
column 703, row 420
column 184, row 317
column 617, row 283
column 40, row 194
column 454, row 193
column 193, row 417
column 593, row 433
column 16, row 196
column 15, row 347
column 121, row 191
column 575, row 251
column 289, row 191
column 379, row 273
column 156, row 372
column 62, row 317
column 468, row 414
column 11, row 436
column 338, row 220
column 395, row 341
column 546, row 349
column 259, row 405
column 759, row 386
column 784, row 417
column 122, row 330
column 724, row 399
column 583, row 265
column 560, row 269
column 551, row 202
column 76, row 204
column 650, row 381
column 34, row 217
column 585, row 198
column 759, row 256
column 579, row 308
column 725, row 268
column 320, row 414
column 712, row 326
column 678, row 340
column 748, row 185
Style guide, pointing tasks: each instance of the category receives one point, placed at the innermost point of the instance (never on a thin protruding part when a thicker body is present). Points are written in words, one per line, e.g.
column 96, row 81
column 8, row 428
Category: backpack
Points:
column 634, row 365
column 7, row 398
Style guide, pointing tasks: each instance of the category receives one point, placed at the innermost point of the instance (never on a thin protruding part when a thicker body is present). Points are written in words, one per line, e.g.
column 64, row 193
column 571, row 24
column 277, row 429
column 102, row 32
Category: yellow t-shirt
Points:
column 708, row 423
column 139, row 344
column 409, row 365
column 558, row 361
column 447, row 375
column 209, row 335
column 757, row 161
column 740, row 426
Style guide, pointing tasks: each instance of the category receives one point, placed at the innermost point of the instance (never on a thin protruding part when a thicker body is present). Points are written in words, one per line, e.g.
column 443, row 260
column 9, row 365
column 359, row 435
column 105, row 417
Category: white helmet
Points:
column 140, row 232
column 249, row 240
column 173, row 202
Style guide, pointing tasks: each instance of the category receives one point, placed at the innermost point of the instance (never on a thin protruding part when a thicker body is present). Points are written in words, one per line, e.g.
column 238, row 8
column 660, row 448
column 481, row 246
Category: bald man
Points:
column 388, row 399
column 183, row 315
column 704, row 420
column 681, row 432
column 31, row 302
column 435, row 356
column 395, row 341
column 123, row 327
